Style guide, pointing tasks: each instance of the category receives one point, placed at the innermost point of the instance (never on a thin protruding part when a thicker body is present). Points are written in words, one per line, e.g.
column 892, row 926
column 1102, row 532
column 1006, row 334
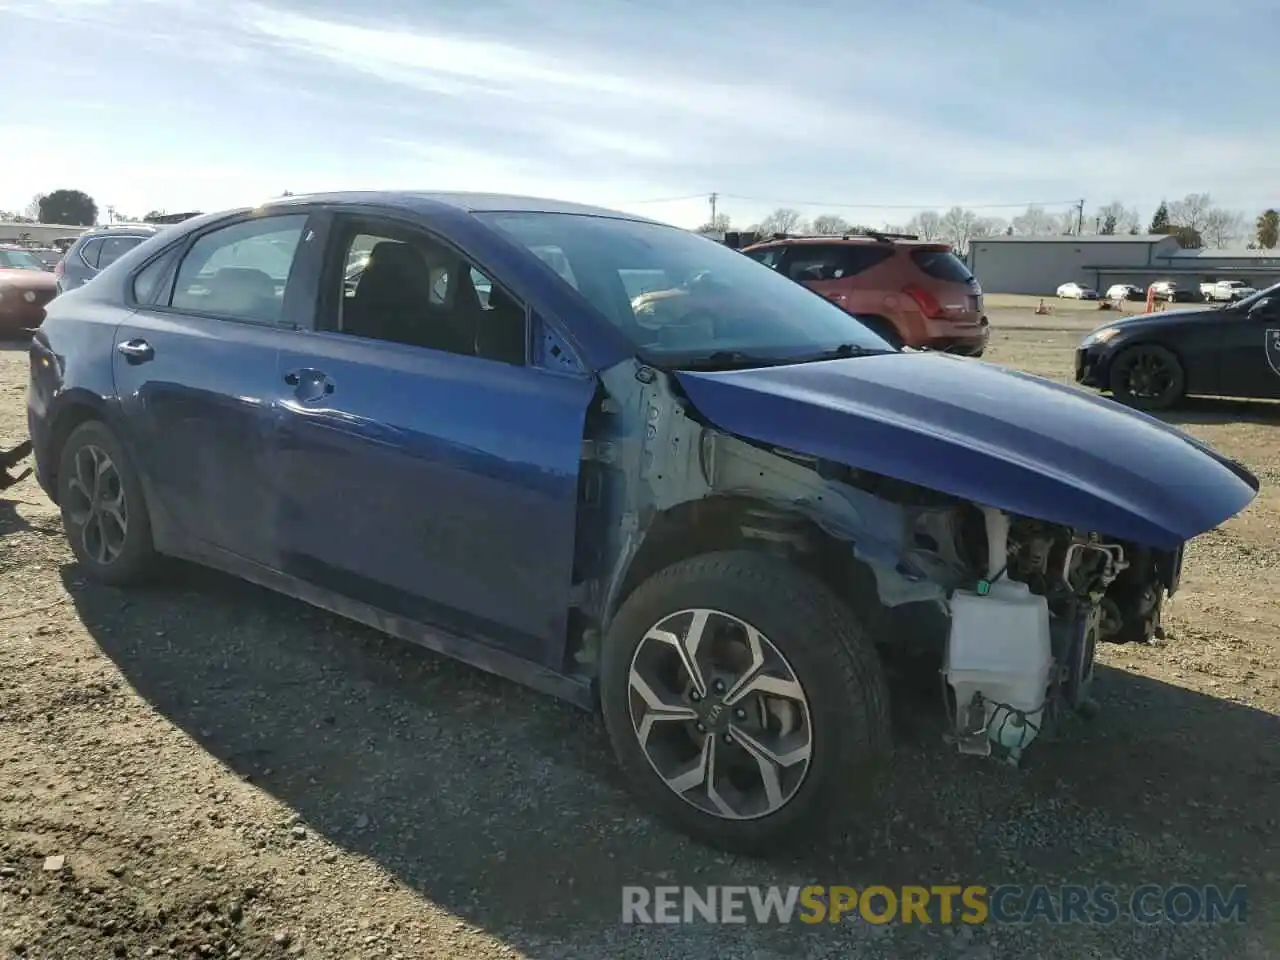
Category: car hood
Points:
column 27, row 279
column 985, row 434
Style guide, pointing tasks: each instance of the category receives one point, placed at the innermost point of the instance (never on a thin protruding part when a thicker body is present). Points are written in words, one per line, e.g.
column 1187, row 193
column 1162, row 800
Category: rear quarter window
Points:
column 941, row 265
column 769, row 256
column 89, row 251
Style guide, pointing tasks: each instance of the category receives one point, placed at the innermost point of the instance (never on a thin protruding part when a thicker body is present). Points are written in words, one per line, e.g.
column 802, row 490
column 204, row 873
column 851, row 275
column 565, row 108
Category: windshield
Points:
column 678, row 296
column 20, row 260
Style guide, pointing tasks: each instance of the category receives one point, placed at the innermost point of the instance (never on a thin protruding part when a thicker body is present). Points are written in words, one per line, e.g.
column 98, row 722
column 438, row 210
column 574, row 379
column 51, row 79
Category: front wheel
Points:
column 744, row 702
column 1148, row 377
column 104, row 512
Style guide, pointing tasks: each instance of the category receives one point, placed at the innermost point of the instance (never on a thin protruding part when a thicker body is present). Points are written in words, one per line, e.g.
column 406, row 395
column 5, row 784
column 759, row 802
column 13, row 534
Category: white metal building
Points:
column 37, row 232
column 1039, row 265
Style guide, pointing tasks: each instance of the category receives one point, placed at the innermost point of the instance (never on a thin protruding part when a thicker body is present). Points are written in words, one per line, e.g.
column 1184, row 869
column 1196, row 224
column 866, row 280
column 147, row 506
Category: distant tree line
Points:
column 1194, row 220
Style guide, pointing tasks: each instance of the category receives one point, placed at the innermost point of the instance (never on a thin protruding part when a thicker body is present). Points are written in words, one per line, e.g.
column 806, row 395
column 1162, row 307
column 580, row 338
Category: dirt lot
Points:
column 229, row 773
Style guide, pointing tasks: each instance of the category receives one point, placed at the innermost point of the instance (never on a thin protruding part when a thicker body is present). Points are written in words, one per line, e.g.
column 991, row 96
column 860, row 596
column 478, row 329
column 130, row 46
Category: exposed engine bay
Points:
column 1027, row 601
column 1023, row 640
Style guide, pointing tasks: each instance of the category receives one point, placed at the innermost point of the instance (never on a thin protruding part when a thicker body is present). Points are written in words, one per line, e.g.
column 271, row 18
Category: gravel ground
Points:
column 228, row 773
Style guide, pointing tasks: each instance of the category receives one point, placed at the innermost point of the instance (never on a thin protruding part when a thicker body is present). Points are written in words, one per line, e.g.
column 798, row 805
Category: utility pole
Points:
column 1080, row 220
column 713, row 199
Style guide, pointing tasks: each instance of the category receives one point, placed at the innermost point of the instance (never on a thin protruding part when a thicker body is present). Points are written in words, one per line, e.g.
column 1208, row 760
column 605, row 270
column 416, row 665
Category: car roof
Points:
column 118, row 229
column 859, row 239
column 425, row 201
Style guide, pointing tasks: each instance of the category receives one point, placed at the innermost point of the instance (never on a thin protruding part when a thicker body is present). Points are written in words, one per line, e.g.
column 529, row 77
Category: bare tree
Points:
column 958, row 225
column 721, row 224
column 1221, row 228
column 1118, row 217
column 1035, row 221
column 828, row 224
column 927, row 225
column 988, row 227
column 782, row 220
column 1191, row 211
column 33, row 208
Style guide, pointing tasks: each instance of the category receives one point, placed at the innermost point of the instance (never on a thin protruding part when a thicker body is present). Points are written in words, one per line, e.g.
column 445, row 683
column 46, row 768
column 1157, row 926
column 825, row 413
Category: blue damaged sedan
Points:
column 620, row 463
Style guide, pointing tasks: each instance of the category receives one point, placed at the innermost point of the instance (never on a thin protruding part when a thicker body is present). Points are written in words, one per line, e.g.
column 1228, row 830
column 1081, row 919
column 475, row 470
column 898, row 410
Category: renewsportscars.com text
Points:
column 942, row 904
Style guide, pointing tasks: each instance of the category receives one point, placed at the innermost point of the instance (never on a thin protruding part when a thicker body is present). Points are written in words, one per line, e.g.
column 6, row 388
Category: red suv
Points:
column 912, row 292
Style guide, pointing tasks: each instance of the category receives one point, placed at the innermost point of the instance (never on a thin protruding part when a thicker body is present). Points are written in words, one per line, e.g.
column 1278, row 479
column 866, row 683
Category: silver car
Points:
column 96, row 249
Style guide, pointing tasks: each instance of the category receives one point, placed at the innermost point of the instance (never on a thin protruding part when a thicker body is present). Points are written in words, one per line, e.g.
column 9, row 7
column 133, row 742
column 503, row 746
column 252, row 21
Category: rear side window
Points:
column 240, row 271
column 812, row 261
column 89, row 251
column 113, row 248
column 941, row 265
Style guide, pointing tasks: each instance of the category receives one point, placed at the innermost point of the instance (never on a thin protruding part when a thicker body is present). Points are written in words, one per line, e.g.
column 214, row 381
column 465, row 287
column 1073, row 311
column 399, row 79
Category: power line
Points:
column 903, row 206
column 694, row 196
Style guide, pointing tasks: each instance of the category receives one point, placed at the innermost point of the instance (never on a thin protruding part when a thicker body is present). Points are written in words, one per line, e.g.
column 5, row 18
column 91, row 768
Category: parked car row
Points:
column 1167, row 291
column 625, row 465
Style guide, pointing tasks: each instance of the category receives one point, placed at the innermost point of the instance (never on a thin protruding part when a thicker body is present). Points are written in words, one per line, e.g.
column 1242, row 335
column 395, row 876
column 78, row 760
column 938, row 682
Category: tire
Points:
column 823, row 645
column 116, row 554
column 1171, row 382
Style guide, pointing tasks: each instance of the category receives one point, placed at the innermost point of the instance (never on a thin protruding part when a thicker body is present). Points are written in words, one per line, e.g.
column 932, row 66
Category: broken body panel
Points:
column 1096, row 502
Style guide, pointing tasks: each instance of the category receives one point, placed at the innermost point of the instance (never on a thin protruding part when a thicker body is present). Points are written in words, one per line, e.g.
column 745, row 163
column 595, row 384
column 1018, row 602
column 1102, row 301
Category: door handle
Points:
column 136, row 351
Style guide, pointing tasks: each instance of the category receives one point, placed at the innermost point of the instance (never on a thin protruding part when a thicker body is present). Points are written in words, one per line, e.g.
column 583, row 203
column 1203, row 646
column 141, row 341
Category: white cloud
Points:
column 959, row 102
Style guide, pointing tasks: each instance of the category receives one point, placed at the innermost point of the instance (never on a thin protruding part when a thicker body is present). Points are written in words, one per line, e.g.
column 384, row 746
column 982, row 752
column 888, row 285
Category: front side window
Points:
column 408, row 288
column 240, row 271
column 679, row 297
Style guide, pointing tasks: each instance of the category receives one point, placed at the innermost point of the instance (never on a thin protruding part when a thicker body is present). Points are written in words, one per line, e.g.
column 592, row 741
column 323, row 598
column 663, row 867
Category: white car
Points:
column 1229, row 290
column 1077, row 291
column 1125, row 291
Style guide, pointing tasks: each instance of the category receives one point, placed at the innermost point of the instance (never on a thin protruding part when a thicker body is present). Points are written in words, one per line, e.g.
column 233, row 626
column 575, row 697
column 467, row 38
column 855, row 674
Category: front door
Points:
column 195, row 369
column 1251, row 351
column 426, row 468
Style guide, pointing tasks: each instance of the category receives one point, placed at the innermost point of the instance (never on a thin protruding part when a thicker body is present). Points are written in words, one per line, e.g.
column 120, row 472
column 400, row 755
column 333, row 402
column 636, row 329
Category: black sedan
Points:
column 1153, row 361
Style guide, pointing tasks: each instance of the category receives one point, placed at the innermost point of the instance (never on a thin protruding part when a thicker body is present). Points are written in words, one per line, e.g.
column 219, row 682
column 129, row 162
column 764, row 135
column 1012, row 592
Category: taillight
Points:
column 925, row 300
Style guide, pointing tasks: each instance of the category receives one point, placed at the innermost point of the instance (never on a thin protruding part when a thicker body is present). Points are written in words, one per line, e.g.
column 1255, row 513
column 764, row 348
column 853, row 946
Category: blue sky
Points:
column 172, row 104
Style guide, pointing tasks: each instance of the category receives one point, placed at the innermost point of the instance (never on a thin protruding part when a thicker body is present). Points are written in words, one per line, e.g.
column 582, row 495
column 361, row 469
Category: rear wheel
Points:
column 104, row 512
column 1148, row 377
column 743, row 700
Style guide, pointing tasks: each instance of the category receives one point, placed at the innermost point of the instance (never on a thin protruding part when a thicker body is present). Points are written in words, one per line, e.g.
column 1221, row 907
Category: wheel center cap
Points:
column 716, row 715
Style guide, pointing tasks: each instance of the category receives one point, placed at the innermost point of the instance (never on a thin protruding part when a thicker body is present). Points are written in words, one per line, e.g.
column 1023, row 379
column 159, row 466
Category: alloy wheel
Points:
column 1149, row 376
column 96, row 505
column 720, row 714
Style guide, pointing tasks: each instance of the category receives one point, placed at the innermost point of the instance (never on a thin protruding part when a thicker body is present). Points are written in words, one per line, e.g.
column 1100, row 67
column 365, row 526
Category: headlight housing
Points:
column 1101, row 336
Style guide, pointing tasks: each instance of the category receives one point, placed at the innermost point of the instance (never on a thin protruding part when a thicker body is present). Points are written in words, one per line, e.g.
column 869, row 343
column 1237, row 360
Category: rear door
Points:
column 195, row 368
column 427, row 466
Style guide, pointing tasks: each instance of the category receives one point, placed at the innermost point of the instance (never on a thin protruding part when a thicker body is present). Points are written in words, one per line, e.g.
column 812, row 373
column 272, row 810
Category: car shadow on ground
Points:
column 1202, row 410
column 10, row 520
column 15, row 343
column 503, row 806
